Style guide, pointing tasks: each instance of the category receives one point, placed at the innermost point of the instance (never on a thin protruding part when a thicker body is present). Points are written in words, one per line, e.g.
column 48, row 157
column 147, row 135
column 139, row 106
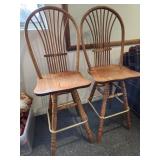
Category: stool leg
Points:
column 92, row 92
column 83, row 115
column 53, row 124
column 103, row 111
column 111, row 92
column 125, row 99
column 77, row 110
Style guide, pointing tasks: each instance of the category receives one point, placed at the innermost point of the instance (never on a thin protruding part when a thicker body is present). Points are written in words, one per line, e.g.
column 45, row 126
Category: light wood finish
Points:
column 125, row 104
column 50, row 24
column 112, row 73
column 54, row 123
column 92, row 91
column 82, row 114
column 67, row 106
column 99, row 50
column 112, row 44
column 54, row 55
column 103, row 111
column 100, row 21
column 59, row 82
column 77, row 110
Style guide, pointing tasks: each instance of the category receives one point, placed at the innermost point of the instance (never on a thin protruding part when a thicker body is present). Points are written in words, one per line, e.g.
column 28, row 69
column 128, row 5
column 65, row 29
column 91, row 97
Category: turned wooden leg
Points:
column 125, row 99
column 83, row 115
column 111, row 92
column 77, row 110
column 92, row 92
column 102, row 113
column 53, row 124
column 50, row 103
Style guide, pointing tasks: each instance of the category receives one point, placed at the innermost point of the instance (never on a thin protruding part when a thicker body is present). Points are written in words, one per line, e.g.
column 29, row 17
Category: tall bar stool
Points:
column 100, row 22
column 47, row 48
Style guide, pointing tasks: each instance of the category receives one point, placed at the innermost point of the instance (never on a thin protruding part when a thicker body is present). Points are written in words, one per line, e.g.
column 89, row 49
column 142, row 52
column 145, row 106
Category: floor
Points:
column 116, row 141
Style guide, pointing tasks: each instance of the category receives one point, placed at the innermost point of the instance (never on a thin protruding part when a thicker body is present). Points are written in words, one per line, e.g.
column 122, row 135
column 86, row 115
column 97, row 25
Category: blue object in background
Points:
column 131, row 59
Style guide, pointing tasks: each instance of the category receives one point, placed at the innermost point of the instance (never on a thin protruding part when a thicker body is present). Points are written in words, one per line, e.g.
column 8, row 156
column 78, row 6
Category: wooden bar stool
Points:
column 47, row 48
column 103, row 25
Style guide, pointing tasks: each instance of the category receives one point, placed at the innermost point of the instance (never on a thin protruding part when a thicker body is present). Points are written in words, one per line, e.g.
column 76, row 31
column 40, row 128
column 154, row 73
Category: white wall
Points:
column 130, row 14
column 28, row 76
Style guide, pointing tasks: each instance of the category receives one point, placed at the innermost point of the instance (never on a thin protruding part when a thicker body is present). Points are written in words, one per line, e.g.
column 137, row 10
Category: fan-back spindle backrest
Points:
column 49, row 25
column 100, row 21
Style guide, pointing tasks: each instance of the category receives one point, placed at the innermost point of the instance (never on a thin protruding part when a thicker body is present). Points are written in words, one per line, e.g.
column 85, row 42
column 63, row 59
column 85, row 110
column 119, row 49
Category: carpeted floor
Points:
column 116, row 141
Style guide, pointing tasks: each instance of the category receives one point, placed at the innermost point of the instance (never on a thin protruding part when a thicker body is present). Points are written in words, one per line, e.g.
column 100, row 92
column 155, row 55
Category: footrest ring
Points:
column 65, row 128
column 106, row 117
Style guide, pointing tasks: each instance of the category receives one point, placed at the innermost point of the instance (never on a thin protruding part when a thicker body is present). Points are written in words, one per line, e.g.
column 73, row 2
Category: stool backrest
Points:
column 100, row 22
column 45, row 31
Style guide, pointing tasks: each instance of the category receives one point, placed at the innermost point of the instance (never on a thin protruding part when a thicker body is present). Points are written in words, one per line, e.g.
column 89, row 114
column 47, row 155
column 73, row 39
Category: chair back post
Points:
column 78, row 44
column 30, row 50
column 122, row 40
column 83, row 44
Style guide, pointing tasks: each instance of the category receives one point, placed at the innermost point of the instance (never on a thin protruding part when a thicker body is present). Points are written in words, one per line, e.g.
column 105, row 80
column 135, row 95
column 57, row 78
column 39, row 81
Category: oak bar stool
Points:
column 100, row 22
column 51, row 63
